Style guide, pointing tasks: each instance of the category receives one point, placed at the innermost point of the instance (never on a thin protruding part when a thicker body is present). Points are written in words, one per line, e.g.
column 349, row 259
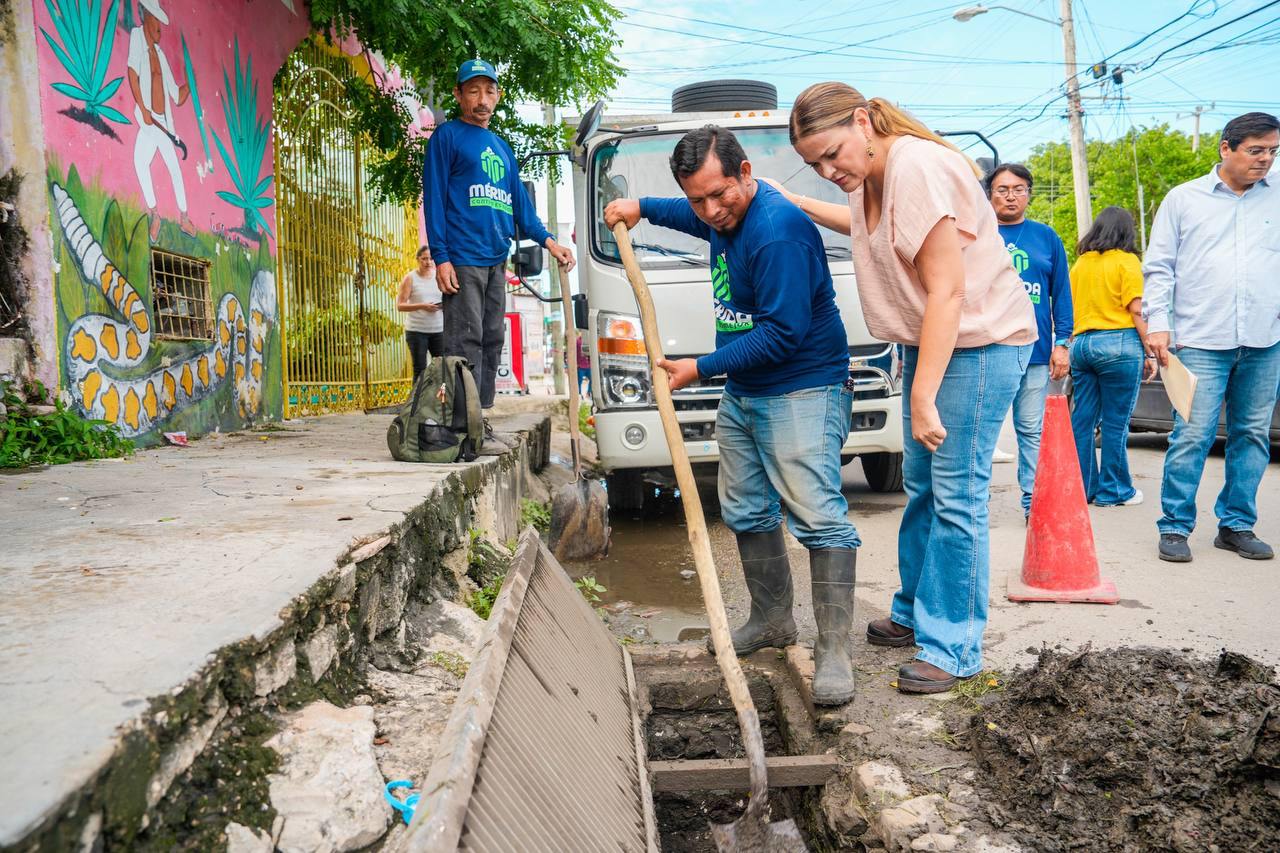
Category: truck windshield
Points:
column 637, row 166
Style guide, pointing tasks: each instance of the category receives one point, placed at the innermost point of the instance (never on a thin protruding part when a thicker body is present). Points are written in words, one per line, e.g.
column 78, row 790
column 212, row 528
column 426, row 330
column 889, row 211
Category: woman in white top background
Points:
column 420, row 299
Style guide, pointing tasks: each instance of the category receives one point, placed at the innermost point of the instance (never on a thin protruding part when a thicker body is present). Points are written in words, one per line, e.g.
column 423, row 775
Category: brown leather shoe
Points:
column 886, row 632
column 921, row 677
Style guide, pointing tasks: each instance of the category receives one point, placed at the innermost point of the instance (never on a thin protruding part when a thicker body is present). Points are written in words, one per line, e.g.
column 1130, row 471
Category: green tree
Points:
column 1163, row 158
column 546, row 51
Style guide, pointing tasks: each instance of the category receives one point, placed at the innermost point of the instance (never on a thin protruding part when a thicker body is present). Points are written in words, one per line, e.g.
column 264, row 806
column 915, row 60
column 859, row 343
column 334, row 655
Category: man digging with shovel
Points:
column 786, row 410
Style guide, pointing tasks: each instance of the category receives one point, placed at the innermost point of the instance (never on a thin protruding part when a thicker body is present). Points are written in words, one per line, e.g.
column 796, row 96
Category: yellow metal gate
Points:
column 340, row 254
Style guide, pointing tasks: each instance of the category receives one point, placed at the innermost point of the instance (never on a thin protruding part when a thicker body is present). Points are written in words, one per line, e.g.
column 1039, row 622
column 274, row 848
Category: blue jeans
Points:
column 786, row 450
column 1245, row 379
column 1028, row 422
column 1106, row 369
column 943, row 545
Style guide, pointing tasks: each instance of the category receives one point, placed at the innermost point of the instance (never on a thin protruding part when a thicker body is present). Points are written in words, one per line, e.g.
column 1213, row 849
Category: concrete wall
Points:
column 118, row 183
column 22, row 155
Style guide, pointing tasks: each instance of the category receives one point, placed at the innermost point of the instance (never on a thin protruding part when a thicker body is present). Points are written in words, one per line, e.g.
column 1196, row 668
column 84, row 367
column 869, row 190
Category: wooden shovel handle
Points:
column 699, row 541
column 571, row 368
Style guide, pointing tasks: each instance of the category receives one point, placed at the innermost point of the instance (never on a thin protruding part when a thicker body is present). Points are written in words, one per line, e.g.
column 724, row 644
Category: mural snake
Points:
column 98, row 346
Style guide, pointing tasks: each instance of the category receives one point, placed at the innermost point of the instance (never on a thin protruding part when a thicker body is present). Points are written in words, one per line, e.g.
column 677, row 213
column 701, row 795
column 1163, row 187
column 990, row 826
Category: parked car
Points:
column 1154, row 413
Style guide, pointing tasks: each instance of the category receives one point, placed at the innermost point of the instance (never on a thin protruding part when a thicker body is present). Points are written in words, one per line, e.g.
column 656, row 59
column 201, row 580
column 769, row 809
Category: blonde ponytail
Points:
column 823, row 106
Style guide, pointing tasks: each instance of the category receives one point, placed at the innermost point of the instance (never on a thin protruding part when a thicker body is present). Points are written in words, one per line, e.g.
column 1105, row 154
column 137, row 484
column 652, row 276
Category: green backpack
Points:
column 441, row 421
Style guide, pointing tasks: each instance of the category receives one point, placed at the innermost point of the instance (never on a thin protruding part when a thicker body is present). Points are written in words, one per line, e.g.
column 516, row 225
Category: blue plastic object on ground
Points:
column 405, row 807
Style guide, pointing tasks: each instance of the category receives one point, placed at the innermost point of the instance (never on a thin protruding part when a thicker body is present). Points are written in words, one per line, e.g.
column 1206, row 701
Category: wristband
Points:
column 1061, row 342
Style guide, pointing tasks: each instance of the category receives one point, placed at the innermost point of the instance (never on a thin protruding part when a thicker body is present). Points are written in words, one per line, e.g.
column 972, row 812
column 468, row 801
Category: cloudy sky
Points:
column 1000, row 72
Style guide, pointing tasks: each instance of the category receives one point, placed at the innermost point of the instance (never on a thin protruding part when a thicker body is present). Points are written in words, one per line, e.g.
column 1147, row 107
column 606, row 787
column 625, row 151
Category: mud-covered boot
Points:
column 768, row 574
column 832, row 571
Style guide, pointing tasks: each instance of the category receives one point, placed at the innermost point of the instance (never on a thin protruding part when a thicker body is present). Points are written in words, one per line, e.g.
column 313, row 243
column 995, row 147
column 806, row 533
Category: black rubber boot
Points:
column 832, row 571
column 768, row 574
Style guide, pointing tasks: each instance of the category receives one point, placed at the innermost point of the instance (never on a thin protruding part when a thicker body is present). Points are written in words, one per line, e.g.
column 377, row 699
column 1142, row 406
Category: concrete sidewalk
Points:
column 121, row 579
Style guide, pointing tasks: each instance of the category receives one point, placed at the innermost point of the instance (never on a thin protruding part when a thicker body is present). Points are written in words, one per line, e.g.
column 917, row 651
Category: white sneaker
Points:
column 1002, row 456
column 1133, row 501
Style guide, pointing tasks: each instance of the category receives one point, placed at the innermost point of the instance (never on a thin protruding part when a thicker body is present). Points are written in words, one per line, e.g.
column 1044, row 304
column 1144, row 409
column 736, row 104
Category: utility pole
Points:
column 1195, row 114
column 1075, row 112
column 1075, row 117
column 559, row 358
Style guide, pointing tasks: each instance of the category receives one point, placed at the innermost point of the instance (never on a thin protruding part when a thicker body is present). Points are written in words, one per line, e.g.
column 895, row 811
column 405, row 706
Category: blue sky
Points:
column 999, row 72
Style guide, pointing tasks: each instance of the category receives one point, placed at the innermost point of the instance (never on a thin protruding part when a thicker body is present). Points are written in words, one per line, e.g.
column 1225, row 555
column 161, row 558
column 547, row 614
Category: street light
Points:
column 1075, row 113
column 968, row 13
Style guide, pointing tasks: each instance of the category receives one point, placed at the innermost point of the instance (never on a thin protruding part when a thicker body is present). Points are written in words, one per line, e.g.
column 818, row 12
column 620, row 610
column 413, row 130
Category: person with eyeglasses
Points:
column 1040, row 259
column 1212, row 295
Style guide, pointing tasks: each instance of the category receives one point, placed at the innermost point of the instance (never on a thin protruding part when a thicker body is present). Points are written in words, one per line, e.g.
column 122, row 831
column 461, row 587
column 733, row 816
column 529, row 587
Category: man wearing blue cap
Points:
column 473, row 199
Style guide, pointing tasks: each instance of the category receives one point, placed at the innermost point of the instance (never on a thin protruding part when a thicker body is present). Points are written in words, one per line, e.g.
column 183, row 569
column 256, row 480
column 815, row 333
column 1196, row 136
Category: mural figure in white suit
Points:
column 152, row 83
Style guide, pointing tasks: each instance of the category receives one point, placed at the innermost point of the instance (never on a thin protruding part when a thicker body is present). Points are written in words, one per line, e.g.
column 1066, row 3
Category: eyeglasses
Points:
column 1255, row 150
column 1018, row 191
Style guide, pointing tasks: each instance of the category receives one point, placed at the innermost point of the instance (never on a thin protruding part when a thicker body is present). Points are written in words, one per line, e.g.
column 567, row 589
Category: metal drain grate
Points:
column 545, row 748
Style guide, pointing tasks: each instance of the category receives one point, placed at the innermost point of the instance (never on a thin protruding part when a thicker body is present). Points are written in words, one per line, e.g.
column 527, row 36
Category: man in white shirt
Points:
column 1212, row 283
column 151, row 81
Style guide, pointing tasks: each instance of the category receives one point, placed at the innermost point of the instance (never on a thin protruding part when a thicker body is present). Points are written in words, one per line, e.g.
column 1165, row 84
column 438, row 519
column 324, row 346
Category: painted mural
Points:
column 157, row 119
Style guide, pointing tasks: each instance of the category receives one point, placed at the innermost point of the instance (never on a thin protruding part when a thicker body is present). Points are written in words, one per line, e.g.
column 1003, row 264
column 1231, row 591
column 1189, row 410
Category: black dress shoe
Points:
column 1174, row 548
column 1244, row 543
column 921, row 677
column 886, row 632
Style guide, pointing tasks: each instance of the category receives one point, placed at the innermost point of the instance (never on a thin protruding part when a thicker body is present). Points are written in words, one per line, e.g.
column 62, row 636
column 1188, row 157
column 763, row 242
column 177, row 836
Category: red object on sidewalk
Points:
column 1060, row 563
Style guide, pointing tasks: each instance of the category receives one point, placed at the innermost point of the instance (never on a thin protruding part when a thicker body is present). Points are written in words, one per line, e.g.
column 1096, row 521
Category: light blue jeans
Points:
column 785, row 450
column 1028, row 422
column 1106, row 369
column 1245, row 379
column 943, row 543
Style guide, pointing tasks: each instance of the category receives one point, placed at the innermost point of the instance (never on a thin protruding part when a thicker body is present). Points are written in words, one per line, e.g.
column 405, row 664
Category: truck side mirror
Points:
column 580, row 311
column 528, row 261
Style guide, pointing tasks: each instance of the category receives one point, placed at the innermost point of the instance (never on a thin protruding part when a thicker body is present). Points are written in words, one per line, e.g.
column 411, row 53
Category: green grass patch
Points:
column 535, row 513
column 28, row 438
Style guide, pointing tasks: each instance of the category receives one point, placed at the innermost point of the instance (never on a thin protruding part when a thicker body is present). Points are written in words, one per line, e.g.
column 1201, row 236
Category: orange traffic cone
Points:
column 1059, row 563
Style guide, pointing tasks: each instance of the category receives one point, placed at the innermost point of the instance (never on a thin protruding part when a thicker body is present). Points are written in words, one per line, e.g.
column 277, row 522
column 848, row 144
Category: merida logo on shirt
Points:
column 1021, row 261
column 487, row 195
column 727, row 319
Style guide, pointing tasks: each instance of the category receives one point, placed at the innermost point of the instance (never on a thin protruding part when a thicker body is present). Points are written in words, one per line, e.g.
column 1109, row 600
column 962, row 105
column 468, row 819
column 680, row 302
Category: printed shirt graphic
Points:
column 727, row 319
column 1040, row 260
column 473, row 197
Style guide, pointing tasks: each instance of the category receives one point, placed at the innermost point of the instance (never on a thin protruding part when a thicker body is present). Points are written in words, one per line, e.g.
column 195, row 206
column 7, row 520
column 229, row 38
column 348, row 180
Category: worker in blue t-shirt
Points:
column 473, row 200
column 1040, row 258
column 786, row 409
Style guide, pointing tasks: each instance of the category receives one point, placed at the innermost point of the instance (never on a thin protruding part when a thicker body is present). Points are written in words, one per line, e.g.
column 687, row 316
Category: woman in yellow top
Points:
column 1108, row 354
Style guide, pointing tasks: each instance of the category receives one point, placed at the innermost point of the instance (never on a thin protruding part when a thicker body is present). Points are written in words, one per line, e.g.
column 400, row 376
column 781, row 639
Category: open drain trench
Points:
column 558, row 742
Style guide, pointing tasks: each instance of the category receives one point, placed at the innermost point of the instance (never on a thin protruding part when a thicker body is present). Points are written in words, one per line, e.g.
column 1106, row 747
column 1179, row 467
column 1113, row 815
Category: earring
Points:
column 871, row 153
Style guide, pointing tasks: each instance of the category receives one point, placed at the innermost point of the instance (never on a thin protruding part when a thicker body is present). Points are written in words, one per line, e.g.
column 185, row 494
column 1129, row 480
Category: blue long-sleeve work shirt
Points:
column 1212, row 268
column 778, row 329
column 1040, row 259
column 473, row 198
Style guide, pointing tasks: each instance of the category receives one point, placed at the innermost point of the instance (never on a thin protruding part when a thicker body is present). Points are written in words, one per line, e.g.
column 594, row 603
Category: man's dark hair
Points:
column 1242, row 127
column 1016, row 169
column 692, row 150
column 1113, row 229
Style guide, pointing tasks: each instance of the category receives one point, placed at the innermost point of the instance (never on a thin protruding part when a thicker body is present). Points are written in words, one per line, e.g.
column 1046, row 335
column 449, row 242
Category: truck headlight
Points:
column 625, row 380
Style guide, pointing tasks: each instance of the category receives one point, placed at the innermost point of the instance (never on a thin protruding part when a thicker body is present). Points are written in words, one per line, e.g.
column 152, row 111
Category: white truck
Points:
column 627, row 157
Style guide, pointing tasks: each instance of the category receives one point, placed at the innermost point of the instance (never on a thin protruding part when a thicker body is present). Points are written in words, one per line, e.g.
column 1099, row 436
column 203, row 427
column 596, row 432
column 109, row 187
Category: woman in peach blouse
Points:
column 933, row 275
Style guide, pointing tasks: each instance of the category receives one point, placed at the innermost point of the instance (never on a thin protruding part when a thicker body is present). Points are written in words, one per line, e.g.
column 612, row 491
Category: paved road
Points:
column 1218, row 600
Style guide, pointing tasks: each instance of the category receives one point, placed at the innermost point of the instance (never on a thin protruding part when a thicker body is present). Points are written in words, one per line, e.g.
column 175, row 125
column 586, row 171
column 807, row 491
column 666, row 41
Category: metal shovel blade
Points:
column 749, row 834
column 580, row 521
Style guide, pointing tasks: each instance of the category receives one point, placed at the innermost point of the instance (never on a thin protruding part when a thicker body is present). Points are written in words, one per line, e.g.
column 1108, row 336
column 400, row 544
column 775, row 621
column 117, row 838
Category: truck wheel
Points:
column 712, row 96
column 883, row 470
column 626, row 490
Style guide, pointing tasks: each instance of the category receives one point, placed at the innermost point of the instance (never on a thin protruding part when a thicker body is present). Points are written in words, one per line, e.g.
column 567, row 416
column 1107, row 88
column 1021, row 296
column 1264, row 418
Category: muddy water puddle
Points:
column 645, row 593
column 651, row 588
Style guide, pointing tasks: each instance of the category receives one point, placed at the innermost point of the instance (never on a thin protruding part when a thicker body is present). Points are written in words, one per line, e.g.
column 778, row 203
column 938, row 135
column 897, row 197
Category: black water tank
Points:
column 717, row 96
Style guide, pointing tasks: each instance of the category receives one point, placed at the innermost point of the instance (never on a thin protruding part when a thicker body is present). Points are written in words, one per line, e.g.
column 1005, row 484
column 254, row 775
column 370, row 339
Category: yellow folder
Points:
column 1180, row 385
